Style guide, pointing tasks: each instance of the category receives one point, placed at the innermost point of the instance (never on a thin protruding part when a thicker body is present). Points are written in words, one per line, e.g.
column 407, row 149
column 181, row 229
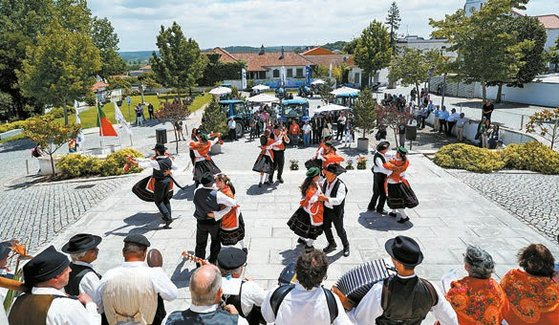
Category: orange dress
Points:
column 312, row 206
column 231, row 220
column 331, row 158
column 533, row 299
column 478, row 301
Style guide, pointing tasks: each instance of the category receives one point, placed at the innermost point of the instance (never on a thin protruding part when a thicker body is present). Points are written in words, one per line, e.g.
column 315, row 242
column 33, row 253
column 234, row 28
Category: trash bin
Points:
column 411, row 132
column 161, row 136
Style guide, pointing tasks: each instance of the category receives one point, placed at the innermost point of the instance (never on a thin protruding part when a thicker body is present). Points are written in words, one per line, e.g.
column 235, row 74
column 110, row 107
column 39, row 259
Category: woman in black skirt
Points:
column 399, row 192
column 232, row 227
column 307, row 220
column 202, row 161
column 264, row 164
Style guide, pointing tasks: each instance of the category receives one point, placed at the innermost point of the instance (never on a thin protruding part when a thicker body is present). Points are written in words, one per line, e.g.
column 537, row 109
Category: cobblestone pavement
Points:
column 532, row 198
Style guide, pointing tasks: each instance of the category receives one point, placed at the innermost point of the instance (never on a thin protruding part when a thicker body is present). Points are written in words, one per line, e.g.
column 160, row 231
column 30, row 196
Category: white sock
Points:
column 261, row 177
column 310, row 242
column 242, row 243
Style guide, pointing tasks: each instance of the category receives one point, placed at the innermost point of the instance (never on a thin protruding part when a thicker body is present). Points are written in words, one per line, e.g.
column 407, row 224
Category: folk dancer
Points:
column 316, row 160
column 264, row 164
column 203, row 162
column 158, row 187
column 379, row 178
column 208, row 213
column 330, row 155
column 129, row 293
column 307, row 221
column 279, row 134
column 404, row 298
column 399, row 192
column 335, row 191
column 46, row 302
column 232, row 226
column 231, row 262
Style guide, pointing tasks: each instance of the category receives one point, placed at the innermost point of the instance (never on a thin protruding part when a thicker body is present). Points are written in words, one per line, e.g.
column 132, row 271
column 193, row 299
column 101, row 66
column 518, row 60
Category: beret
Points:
column 44, row 266
column 137, row 239
column 231, row 258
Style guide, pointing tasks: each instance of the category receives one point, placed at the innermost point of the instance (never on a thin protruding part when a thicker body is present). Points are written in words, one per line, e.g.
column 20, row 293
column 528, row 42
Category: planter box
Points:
column 363, row 144
column 45, row 166
column 216, row 149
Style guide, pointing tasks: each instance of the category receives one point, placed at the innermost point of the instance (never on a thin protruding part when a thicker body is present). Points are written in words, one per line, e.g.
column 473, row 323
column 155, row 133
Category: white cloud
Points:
column 270, row 22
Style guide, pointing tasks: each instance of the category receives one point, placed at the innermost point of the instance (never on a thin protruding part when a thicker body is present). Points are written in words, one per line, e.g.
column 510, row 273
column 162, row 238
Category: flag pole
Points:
column 100, row 126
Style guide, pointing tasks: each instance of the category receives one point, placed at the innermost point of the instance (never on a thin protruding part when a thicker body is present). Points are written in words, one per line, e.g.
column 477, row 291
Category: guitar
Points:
column 186, row 256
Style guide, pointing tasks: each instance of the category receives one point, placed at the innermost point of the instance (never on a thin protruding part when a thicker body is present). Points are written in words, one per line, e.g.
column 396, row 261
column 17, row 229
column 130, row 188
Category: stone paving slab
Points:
column 450, row 216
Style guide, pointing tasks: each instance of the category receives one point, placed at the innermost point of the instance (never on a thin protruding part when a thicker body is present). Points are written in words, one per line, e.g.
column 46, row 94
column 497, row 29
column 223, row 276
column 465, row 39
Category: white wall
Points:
column 534, row 93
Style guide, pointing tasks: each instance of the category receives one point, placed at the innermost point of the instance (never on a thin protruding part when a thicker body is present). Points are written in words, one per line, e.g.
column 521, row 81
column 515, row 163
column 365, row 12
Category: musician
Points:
column 160, row 183
column 205, row 292
column 279, row 134
column 128, row 293
column 334, row 193
column 46, row 302
column 307, row 302
column 379, row 178
column 208, row 214
column 404, row 298
column 203, row 162
column 5, row 249
column 231, row 262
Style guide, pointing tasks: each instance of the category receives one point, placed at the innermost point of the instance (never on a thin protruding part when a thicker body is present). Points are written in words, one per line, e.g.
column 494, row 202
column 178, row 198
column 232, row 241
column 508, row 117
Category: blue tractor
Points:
column 239, row 111
column 347, row 99
column 294, row 109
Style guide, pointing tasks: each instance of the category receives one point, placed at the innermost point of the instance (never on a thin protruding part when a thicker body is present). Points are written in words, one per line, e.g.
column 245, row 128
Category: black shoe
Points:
column 301, row 241
column 245, row 250
column 167, row 223
column 346, row 251
column 393, row 214
column 382, row 212
column 309, row 249
column 280, row 180
column 330, row 248
column 268, row 183
column 370, row 208
column 260, row 184
column 404, row 220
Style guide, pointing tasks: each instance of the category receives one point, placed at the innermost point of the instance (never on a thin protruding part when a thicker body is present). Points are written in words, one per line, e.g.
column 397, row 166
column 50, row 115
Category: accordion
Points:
column 357, row 282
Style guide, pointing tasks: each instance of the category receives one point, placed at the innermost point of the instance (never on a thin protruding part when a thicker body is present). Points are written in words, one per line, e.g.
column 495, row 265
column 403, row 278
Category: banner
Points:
column 80, row 138
column 105, row 126
column 121, row 120
column 283, row 76
column 244, row 78
column 308, row 74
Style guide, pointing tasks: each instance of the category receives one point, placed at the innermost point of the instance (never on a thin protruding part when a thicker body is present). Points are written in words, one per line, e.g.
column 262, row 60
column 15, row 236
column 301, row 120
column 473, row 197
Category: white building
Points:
column 419, row 43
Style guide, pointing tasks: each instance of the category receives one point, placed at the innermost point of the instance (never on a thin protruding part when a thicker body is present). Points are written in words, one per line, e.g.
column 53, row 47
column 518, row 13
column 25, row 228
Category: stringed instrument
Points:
column 193, row 258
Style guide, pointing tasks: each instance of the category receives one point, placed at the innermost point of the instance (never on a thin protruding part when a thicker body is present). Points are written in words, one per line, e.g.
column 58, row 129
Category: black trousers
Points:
column 279, row 161
column 162, row 199
column 150, row 114
column 232, row 135
column 421, row 122
column 331, row 217
column 340, row 133
column 442, row 125
column 202, row 231
column 378, row 193
column 450, row 125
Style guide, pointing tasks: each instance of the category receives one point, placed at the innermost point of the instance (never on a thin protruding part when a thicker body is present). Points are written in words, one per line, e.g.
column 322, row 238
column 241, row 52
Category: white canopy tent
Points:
column 263, row 98
column 344, row 90
column 318, row 82
column 330, row 108
column 261, row 87
column 220, row 91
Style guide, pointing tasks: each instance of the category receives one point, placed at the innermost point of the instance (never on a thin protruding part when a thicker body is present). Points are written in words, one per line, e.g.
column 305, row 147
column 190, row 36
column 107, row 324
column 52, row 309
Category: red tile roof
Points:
column 549, row 21
column 225, row 56
column 99, row 85
column 256, row 62
column 318, row 51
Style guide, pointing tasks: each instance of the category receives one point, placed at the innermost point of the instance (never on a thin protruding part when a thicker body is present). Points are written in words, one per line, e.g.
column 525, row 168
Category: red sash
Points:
column 150, row 187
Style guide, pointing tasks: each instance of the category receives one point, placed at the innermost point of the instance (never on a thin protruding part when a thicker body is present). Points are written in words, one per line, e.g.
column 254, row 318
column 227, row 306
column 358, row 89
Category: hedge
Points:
column 532, row 156
column 77, row 165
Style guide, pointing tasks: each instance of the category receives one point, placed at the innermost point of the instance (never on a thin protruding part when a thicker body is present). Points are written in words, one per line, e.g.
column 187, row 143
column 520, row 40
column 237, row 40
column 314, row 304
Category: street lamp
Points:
column 444, row 79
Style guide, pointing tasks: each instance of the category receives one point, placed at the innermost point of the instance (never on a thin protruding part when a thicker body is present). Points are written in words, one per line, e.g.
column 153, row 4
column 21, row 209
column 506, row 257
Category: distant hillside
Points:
column 142, row 56
column 339, row 45
column 250, row 49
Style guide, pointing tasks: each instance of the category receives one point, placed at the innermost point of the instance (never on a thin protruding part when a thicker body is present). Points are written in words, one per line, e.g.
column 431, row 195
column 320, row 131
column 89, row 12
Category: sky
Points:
column 223, row 23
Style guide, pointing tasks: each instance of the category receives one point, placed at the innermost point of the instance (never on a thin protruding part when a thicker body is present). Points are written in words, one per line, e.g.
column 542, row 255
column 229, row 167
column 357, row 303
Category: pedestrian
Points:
column 341, row 126
column 333, row 195
column 279, row 135
column 232, row 126
column 232, row 225
column 150, row 111
column 451, row 121
column 294, row 132
column 460, row 124
column 330, row 155
column 348, row 136
column 379, row 178
column 253, row 127
column 208, row 213
column 326, row 129
column 264, row 164
column 494, row 137
column 483, row 129
column 203, row 163
column 443, row 116
column 381, row 133
column 487, row 109
column 423, row 115
column 401, row 134
column 413, row 94
column 139, row 115
column 399, row 192
column 83, row 250
column 72, row 145
column 436, row 115
column 307, row 129
column 179, row 130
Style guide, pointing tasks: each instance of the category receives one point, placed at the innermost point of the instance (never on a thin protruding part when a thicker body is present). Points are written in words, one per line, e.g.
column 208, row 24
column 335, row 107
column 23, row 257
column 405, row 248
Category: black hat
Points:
column 81, row 243
column 207, row 178
column 137, row 239
column 160, row 147
column 277, row 127
column 404, row 250
column 336, row 169
column 5, row 249
column 44, row 266
column 383, row 145
column 231, row 258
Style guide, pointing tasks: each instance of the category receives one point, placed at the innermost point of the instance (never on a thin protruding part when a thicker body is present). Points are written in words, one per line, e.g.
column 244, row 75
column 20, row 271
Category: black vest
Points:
column 205, row 202
column 188, row 317
column 164, row 164
column 76, row 276
column 409, row 301
column 378, row 155
column 338, row 209
column 255, row 314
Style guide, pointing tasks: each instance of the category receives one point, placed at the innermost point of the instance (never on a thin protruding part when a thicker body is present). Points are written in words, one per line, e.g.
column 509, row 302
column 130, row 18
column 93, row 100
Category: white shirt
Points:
column 307, row 128
column 303, row 307
column 221, row 199
column 461, row 122
column 89, row 282
column 66, row 311
column 340, row 195
column 453, row 117
column 205, row 310
column 370, row 308
column 378, row 166
column 232, row 124
column 160, row 281
column 147, row 163
column 251, row 294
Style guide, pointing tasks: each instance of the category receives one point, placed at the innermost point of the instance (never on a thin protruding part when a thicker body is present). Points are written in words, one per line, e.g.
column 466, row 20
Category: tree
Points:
column 546, row 124
column 365, row 112
column 349, row 47
column 341, row 72
column 392, row 117
column 217, row 71
column 552, row 57
column 393, row 20
column 372, row 51
column 325, row 90
column 49, row 135
column 106, row 40
column 60, row 68
column 173, row 112
column 214, row 119
column 180, row 63
column 411, row 67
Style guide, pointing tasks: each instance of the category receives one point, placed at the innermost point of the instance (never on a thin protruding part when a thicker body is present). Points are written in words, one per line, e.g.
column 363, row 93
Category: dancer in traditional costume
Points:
column 330, row 155
column 316, row 160
column 157, row 188
column 307, row 220
column 232, row 227
column 335, row 191
column 379, row 178
column 264, row 164
column 203, row 161
column 399, row 192
column 279, row 135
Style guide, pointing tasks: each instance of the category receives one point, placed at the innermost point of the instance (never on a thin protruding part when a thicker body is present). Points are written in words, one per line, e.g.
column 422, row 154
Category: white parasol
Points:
column 263, row 98
column 318, row 82
column 220, row 91
column 330, row 108
column 344, row 90
column 260, row 87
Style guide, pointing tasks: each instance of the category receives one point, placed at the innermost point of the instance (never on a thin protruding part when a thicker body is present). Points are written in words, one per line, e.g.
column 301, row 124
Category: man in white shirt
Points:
column 379, row 173
column 460, row 127
column 405, row 297
column 47, row 303
column 232, row 125
column 307, row 129
column 83, row 251
column 451, row 121
column 205, row 291
column 307, row 302
column 129, row 292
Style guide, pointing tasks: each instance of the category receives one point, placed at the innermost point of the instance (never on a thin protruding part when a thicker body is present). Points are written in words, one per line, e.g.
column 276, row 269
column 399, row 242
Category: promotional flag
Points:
column 121, row 120
column 308, row 74
column 244, row 78
column 80, row 138
column 105, row 127
column 283, row 76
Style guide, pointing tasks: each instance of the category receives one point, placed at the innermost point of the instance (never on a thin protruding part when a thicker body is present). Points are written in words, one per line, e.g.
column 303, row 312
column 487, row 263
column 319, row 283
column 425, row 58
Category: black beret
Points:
column 160, row 147
column 5, row 249
column 137, row 239
column 81, row 243
column 44, row 266
column 383, row 145
column 207, row 178
column 231, row 258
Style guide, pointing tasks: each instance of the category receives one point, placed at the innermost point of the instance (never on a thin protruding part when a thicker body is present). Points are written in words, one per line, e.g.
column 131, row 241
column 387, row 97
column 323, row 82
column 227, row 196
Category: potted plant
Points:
column 365, row 117
column 362, row 162
column 349, row 165
column 294, row 164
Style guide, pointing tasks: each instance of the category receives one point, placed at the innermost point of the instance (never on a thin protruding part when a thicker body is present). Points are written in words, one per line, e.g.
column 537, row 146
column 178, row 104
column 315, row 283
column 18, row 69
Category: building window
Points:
column 299, row 73
column 275, row 73
column 289, row 73
column 357, row 79
column 261, row 74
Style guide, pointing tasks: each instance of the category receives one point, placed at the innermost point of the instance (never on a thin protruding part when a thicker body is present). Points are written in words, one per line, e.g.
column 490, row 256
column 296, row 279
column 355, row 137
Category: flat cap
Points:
column 137, row 239
column 231, row 258
column 44, row 266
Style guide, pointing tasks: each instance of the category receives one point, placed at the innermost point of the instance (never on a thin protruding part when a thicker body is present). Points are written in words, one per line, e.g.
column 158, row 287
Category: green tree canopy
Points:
column 372, row 51
column 393, row 21
column 365, row 111
column 411, row 67
column 106, row 40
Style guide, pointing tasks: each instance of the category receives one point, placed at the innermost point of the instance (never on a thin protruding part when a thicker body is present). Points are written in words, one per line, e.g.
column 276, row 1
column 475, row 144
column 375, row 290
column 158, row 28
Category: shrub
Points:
column 468, row 157
column 78, row 165
column 12, row 125
column 533, row 156
column 114, row 163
